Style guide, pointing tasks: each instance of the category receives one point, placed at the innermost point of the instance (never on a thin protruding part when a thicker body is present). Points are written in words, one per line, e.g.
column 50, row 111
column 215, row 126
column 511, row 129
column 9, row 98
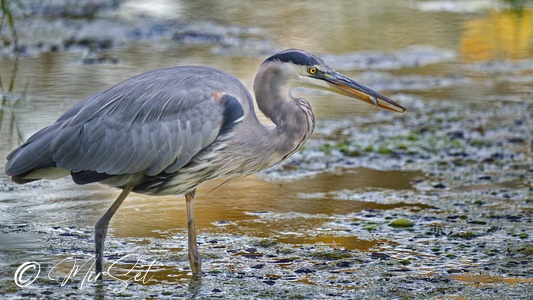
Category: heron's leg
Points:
column 194, row 256
column 100, row 229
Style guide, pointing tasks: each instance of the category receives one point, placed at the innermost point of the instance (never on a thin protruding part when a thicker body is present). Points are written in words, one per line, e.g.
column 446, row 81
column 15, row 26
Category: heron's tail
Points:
column 33, row 159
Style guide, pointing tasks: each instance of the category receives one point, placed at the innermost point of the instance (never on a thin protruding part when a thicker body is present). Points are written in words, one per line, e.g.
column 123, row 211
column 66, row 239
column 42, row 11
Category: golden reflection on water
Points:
column 343, row 242
column 246, row 199
column 498, row 35
column 480, row 279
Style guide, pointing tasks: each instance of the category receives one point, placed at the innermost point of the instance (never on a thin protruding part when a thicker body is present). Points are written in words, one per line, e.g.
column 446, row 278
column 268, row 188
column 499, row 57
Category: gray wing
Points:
column 154, row 122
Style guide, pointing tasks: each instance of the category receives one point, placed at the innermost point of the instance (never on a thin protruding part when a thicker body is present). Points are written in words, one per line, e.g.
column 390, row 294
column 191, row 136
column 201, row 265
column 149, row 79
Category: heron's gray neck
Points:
column 293, row 117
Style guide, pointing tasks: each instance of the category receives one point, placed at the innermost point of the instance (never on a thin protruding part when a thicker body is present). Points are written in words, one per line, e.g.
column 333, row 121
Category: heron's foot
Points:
column 100, row 230
column 195, row 261
column 99, row 239
column 194, row 256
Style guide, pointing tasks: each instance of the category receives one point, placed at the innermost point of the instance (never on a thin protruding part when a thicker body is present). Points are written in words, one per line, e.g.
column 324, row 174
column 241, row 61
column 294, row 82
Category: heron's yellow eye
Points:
column 312, row 70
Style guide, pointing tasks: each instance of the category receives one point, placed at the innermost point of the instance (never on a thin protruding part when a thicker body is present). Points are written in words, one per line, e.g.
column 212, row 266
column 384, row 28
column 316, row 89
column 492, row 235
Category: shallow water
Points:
column 459, row 156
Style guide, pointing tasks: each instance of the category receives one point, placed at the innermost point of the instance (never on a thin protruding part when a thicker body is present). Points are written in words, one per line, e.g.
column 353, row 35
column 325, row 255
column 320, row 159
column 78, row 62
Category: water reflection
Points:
column 499, row 35
column 238, row 201
column 247, row 206
column 287, row 212
column 8, row 116
column 347, row 243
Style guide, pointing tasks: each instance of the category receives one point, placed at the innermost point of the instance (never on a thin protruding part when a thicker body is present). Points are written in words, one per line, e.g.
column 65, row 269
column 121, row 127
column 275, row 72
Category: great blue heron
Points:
column 164, row 132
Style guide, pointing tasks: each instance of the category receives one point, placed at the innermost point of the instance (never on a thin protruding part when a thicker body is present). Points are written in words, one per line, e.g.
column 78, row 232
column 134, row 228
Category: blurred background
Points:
column 53, row 54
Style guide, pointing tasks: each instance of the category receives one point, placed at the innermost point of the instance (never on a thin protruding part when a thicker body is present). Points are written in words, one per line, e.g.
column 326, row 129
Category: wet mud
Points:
column 435, row 203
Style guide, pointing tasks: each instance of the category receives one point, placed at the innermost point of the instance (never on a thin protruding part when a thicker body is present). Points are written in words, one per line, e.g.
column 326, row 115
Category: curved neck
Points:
column 293, row 117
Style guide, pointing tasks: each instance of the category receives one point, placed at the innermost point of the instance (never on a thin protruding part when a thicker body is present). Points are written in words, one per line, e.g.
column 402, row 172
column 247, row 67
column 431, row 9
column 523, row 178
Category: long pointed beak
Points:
column 348, row 87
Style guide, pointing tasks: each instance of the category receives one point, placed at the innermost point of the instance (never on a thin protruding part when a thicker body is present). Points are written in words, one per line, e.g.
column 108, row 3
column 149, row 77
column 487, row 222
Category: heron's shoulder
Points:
column 232, row 113
column 169, row 89
column 190, row 77
column 187, row 72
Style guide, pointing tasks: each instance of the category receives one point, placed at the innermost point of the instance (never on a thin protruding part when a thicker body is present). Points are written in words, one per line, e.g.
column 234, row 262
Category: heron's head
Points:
column 299, row 68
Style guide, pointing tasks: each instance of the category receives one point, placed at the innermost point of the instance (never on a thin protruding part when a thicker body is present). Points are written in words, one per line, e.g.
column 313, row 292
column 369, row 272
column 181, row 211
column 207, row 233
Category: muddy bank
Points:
column 91, row 28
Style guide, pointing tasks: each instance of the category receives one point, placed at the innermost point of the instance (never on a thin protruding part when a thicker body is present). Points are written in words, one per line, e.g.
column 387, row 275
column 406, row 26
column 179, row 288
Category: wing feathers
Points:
column 149, row 126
